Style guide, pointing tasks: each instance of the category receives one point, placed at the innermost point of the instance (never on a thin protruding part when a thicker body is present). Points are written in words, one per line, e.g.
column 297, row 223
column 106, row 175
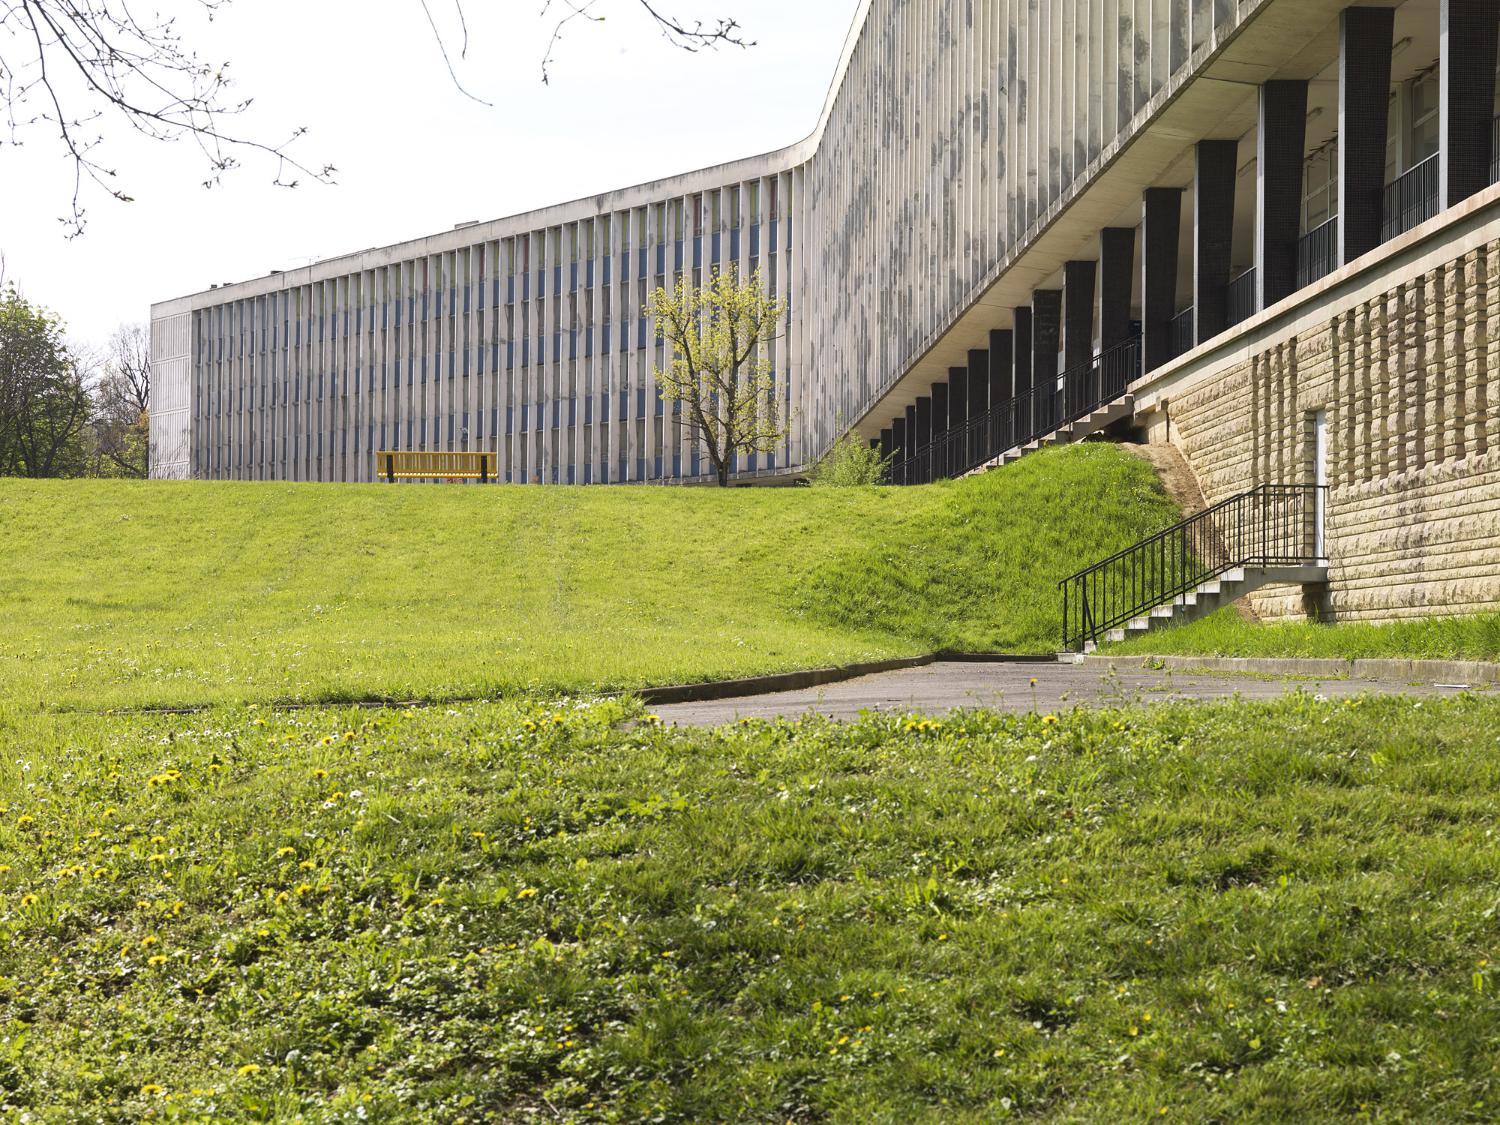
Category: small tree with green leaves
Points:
column 721, row 367
column 850, row 463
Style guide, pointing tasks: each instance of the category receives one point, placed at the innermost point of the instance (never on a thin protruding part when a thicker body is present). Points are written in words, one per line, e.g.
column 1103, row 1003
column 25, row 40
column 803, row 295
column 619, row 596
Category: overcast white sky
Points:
column 414, row 155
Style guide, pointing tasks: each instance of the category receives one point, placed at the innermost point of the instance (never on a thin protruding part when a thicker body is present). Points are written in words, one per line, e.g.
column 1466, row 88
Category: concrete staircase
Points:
column 1216, row 593
column 1085, row 427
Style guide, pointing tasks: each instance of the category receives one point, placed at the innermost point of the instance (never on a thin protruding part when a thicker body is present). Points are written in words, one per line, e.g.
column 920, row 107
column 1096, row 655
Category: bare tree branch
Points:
column 692, row 38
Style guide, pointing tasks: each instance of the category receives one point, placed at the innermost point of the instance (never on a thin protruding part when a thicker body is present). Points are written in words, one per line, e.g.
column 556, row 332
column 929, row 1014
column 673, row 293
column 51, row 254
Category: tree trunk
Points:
column 723, row 467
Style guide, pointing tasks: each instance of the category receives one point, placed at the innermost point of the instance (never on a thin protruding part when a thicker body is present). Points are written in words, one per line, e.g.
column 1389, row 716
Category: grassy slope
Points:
column 118, row 593
column 1273, row 913
column 1227, row 634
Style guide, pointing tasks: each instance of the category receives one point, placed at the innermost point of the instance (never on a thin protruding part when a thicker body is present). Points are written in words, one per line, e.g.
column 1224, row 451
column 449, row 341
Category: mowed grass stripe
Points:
column 118, row 594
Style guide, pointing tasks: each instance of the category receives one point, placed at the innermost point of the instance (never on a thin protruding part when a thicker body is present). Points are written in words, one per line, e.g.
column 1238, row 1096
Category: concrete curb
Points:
column 1456, row 672
column 814, row 677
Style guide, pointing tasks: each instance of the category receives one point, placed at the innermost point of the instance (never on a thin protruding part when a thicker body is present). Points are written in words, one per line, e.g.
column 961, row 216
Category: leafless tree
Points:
column 76, row 67
column 122, row 403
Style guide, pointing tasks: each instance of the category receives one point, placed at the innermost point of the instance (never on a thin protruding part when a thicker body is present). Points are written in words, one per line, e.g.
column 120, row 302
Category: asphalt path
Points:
column 941, row 688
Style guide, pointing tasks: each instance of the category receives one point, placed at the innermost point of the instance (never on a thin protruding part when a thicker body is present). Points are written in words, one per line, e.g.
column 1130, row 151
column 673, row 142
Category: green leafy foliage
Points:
column 519, row 911
column 850, row 464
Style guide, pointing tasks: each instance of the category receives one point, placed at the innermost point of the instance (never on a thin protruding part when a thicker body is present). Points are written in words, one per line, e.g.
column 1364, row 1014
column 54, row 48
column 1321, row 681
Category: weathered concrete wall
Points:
column 1403, row 354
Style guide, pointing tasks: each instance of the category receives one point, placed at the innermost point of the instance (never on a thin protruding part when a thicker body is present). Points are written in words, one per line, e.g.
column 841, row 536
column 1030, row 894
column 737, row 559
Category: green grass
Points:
column 1226, row 633
column 516, row 912
column 119, row 594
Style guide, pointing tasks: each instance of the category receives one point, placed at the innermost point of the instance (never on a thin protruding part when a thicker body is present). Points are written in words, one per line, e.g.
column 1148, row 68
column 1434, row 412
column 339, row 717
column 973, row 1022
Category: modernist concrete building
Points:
column 1262, row 230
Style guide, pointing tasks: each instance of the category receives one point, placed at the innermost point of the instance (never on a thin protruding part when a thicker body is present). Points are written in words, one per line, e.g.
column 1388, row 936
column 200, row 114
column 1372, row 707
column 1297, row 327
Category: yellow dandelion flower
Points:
column 109, row 812
column 24, row 819
column 151, row 1090
column 149, row 940
column 159, row 959
column 526, row 892
column 283, row 898
column 4, row 869
column 320, row 774
column 303, row 888
column 156, row 857
column 282, row 853
column 1049, row 719
column 158, row 839
column 248, row 1070
column 328, row 740
column 257, row 722
column 308, row 864
column 29, row 900
column 475, row 835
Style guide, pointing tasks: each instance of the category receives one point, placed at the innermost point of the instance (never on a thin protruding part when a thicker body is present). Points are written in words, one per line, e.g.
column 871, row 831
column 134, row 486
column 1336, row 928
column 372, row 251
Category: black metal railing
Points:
column 1318, row 253
column 1273, row 525
column 1026, row 417
column 1183, row 331
column 1411, row 199
column 1239, row 298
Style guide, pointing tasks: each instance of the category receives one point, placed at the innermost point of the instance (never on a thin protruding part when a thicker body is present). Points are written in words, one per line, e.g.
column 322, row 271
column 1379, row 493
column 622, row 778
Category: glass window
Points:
column 1424, row 118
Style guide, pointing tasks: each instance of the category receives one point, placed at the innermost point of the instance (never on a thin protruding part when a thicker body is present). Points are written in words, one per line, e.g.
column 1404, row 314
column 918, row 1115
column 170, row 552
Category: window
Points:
column 1320, row 187
column 1424, row 95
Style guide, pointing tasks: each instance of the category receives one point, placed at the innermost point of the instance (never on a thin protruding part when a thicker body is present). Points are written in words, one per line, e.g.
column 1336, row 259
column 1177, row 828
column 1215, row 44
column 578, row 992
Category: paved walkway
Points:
column 940, row 688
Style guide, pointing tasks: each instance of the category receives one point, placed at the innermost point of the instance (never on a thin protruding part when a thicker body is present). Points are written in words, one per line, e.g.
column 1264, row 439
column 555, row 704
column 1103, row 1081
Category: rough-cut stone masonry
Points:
column 1410, row 381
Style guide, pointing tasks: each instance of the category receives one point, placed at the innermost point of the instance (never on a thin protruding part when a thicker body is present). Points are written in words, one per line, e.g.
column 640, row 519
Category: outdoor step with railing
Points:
column 1269, row 535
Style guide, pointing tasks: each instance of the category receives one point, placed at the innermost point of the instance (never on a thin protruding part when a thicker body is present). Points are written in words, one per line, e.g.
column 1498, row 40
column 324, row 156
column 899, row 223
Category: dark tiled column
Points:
column 1282, row 149
column 958, row 415
column 1467, row 104
column 999, row 389
column 1046, row 340
column 1213, row 235
column 911, row 446
column 1078, row 334
column 898, row 447
column 1160, row 234
column 1116, row 284
column 887, row 444
column 941, row 423
column 923, row 439
column 1365, row 40
column 1024, row 412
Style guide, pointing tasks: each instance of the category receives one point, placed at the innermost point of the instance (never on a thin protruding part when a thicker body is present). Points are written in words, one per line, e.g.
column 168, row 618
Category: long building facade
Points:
column 1270, row 227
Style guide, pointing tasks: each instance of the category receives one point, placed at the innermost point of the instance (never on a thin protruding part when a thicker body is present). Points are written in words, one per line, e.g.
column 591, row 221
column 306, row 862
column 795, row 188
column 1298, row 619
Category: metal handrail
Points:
column 1273, row 525
column 1239, row 298
column 1318, row 253
column 1183, row 331
column 1411, row 198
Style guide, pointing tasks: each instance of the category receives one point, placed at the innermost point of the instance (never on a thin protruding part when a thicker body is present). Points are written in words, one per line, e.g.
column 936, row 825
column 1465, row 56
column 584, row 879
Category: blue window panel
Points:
column 640, row 402
column 641, row 260
column 603, row 474
column 677, row 256
column 697, row 252
column 588, row 474
column 752, row 462
column 588, row 273
column 657, row 474
column 661, row 407
column 510, row 355
column 557, row 347
column 717, row 246
column 510, row 291
column 572, row 343
column 452, row 299
column 676, row 465
column 604, row 408
column 556, row 414
column 661, row 259
column 437, row 432
column 641, row 334
column 774, row 243
column 452, row 365
column 425, row 304
column 480, row 369
column 570, row 474
column 640, row 468
column 409, row 443
column 466, row 363
column 788, row 230
column 624, row 404
column 696, row 470
column 607, row 263
column 557, row 280
column 526, row 351
column 604, row 338
column 754, row 239
column 573, row 278
column 424, row 369
column 321, row 326
column 588, row 411
column 510, row 420
column 466, row 294
column 525, row 412
column 676, row 407
column 526, row 287
column 588, row 342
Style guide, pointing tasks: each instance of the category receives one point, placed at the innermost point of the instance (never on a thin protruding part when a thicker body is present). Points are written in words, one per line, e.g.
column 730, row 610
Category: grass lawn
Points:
column 1226, row 633
column 524, row 912
column 120, row 594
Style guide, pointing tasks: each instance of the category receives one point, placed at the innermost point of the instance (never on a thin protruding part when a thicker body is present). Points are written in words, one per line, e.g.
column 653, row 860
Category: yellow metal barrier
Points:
column 394, row 466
